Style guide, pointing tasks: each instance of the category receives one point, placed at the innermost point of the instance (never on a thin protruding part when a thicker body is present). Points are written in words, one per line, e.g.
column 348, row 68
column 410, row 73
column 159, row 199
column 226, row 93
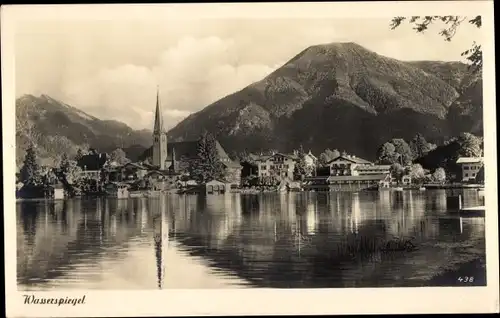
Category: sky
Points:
column 111, row 68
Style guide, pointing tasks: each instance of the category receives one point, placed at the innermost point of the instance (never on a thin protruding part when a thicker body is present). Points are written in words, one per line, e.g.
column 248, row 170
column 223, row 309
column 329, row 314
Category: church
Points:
column 174, row 157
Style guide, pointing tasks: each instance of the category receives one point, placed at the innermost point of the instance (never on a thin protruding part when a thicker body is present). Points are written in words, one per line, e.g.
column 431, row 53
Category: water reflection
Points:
column 265, row 240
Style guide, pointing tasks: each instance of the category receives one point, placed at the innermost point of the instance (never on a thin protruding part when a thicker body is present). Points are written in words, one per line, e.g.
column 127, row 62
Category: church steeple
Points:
column 159, row 137
column 158, row 126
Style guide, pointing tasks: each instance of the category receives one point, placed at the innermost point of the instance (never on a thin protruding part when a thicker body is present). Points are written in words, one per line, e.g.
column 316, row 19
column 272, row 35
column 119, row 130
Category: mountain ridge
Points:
column 340, row 81
column 337, row 95
column 55, row 127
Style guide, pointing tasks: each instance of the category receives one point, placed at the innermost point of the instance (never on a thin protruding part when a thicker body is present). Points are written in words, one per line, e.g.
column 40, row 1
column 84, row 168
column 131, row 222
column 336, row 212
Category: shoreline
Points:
column 252, row 191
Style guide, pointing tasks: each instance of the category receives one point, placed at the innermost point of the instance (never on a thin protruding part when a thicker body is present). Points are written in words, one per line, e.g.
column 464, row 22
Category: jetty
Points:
column 454, row 205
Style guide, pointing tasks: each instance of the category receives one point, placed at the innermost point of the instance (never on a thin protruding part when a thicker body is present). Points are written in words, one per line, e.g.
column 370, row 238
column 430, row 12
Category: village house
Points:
column 351, row 172
column 278, row 165
column 283, row 165
column 469, row 167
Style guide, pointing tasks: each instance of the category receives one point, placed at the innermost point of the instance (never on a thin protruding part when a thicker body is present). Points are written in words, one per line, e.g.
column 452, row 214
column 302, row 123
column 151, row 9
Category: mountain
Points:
column 56, row 128
column 343, row 96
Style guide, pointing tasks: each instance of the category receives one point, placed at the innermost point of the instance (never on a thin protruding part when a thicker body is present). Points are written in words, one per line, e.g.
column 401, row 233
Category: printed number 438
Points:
column 466, row 279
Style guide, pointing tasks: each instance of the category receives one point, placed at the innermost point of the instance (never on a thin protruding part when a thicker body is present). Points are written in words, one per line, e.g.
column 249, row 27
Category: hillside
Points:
column 56, row 128
column 343, row 96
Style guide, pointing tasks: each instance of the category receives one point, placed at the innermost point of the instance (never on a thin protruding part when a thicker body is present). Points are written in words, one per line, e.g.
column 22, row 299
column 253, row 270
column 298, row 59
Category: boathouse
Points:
column 217, row 187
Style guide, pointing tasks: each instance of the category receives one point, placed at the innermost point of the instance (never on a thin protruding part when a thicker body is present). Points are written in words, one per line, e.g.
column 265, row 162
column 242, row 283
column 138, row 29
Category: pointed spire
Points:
column 158, row 127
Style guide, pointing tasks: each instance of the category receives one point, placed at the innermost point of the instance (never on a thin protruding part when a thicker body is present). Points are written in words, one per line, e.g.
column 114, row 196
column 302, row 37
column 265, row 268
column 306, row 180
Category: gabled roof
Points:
column 135, row 165
column 163, row 173
column 267, row 157
column 352, row 159
column 216, row 181
column 231, row 164
column 470, row 160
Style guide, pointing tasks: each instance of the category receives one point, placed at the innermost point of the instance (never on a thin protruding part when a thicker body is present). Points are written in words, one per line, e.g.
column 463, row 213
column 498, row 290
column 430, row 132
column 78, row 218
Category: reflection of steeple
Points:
column 355, row 213
column 311, row 216
column 144, row 214
column 160, row 232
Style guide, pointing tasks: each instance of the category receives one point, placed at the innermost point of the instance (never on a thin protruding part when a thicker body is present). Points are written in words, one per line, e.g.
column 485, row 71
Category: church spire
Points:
column 158, row 127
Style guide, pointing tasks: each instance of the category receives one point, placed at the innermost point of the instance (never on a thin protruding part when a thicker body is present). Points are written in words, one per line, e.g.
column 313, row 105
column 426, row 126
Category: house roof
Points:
column 267, row 157
column 469, row 159
column 357, row 178
column 216, row 181
column 231, row 164
column 353, row 159
column 135, row 165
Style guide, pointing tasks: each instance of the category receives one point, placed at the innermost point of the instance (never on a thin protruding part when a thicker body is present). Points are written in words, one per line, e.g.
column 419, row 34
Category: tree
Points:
column 327, row 156
column 301, row 168
column 119, row 156
column 386, row 154
column 207, row 166
column 69, row 171
column 79, row 154
column 397, row 171
column 420, row 24
column 30, row 171
column 405, row 156
column 439, row 175
column 417, row 173
column 420, row 147
column 470, row 145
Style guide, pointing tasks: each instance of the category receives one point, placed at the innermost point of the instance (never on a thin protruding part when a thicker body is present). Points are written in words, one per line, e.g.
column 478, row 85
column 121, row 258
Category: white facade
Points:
column 469, row 167
column 279, row 165
column 354, row 166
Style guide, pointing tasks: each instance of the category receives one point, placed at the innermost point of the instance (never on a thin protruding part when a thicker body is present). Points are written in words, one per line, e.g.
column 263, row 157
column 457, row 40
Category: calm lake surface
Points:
column 297, row 240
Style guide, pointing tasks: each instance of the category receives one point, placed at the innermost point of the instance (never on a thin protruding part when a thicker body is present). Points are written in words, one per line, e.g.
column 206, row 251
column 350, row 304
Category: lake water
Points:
column 296, row 240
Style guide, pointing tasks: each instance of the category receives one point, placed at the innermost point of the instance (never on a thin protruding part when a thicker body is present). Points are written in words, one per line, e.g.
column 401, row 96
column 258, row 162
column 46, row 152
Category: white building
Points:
column 278, row 164
column 283, row 165
column 347, row 165
column 469, row 167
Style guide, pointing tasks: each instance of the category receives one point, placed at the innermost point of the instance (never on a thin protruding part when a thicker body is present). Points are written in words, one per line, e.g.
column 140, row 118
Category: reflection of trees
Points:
column 61, row 235
column 275, row 247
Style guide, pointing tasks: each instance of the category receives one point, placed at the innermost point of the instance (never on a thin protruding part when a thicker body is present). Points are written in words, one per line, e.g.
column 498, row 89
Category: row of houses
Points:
column 345, row 169
column 342, row 170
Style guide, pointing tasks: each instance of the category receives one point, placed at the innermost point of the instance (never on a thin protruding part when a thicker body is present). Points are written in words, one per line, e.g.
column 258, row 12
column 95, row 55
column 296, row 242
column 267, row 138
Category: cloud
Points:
column 191, row 74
